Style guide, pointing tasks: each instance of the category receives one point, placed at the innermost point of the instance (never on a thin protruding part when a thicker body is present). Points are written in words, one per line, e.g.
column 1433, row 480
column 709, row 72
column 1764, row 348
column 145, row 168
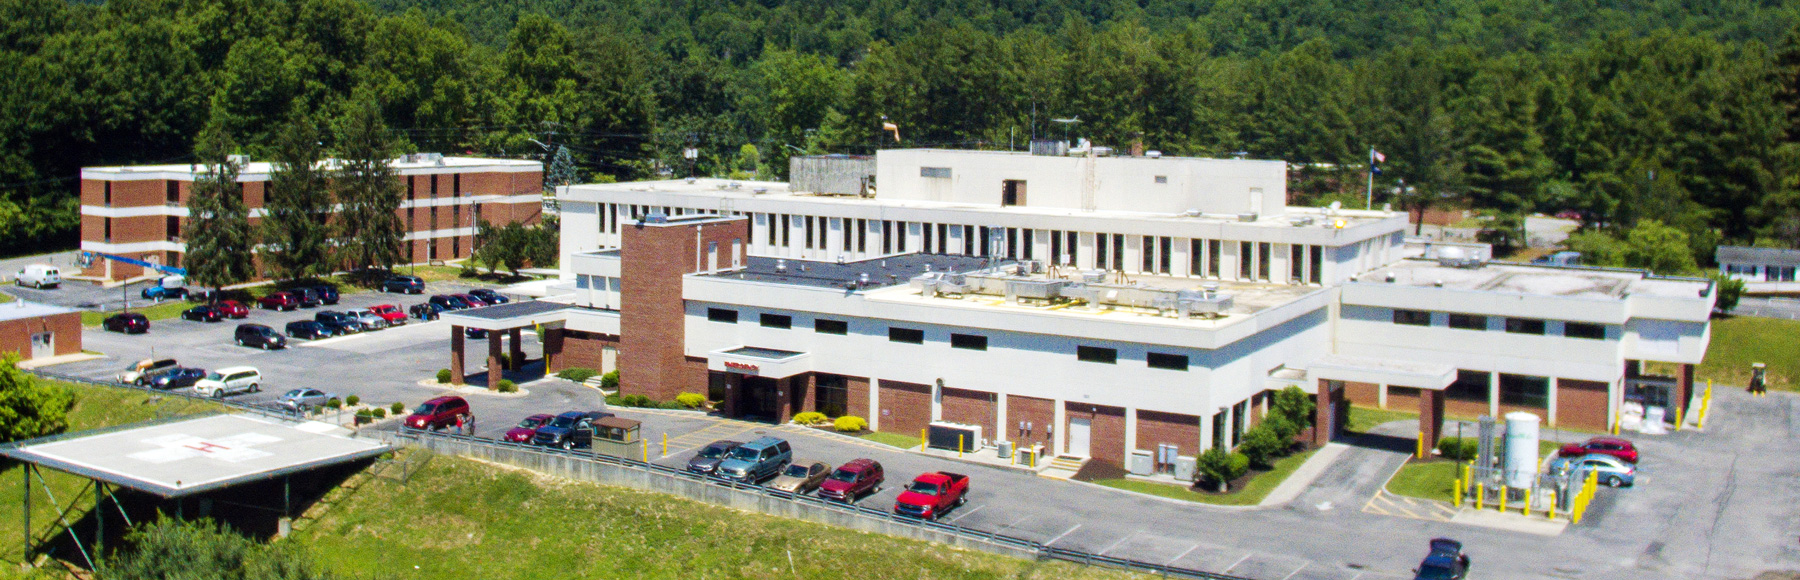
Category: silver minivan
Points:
column 229, row 380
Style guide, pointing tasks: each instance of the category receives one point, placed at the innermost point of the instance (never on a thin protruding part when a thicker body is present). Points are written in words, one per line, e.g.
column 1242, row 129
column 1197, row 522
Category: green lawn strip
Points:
column 95, row 407
column 901, row 441
column 1434, row 479
column 1738, row 341
column 1251, row 494
column 1362, row 419
column 458, row 518
column 5, row 298
column 152, row 310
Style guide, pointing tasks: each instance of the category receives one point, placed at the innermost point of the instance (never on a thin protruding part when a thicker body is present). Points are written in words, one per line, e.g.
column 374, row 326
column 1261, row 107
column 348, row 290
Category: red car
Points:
column 527, row 428
column 438, row 413
column 1613, row 446
column 279, row 301
column 932, row 494
column 391, row 313
column 474, row 301
column 233, row 309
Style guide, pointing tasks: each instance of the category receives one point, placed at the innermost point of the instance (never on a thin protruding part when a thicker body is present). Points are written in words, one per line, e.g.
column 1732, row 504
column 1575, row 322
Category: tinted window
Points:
column 1412, row 317
column 1584, row 330
column 796, row 471
column 908, row 335
column 1174, row 362
column 1468, row 321
column 843, row 475
column 1097, row 354
column 744, row 453
column 968, row 341
column 721, row 315
column 828, row 326
column 777, row 321
column 1524, row 326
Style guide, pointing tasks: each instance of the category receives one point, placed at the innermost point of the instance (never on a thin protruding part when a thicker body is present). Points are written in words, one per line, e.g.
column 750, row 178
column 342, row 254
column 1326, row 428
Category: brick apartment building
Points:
column 141, row 211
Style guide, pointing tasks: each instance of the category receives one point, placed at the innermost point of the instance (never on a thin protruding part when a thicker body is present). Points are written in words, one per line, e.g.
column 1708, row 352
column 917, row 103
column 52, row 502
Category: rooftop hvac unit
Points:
column 1039, row 289
column 941, row 435
column 1050, row 147
column 1302, row 222
column 1004, row 449
column 1102, row 151
column 1248, row 216
column 1093, row 276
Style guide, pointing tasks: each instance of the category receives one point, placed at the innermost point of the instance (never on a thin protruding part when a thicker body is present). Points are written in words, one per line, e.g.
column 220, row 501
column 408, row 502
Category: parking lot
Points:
column 1712, row 505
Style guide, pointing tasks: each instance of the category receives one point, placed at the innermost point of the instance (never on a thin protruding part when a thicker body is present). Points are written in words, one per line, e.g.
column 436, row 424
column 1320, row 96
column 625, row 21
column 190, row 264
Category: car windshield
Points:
column 294, row 393
column 530, row 422
column 744, row 453
column 564, row 422
column 795, row 470
column 920, row 487
column 215, row 376
column 712, row 452
column 425, row 409
column 843, row 475
column 1435, row 572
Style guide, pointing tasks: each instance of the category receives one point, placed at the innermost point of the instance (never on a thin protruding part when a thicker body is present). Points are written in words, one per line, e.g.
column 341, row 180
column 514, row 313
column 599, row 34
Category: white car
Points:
column 229, row 380
column 369, row 320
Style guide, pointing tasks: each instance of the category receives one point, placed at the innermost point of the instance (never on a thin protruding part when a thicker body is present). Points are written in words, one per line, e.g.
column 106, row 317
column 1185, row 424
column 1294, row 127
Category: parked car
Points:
column 489, row 296
column 339, row 323
column 425, row 311
column 472, row 332
column 39, row 276
column 757, row 460
column 229, row 380
column 298, row 399
column 801, row 477
column 306, row 296
column 853, row 480
column 470, row 300
column 706, row 460
column 259, row 336
column 526, row 429
column 126, row 322
column 1612, row 471
column 177, row 377
column 569, row 430
column 932, row 494
column 438, row 413
column 134, row 374
column 1444, row 561
column 1614, row 446
column 328, row 294
column 203, row 313
column 309, row 329
column 369, row 320
column 279, row 301
column 232, row 309
column 390, row 313
column 160, row 292
column 448, row 302
column 404, row 285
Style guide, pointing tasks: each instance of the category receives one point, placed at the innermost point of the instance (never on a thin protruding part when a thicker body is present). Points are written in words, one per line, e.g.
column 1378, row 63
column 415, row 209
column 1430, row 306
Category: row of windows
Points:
column 1513, row 325
column 901, row 334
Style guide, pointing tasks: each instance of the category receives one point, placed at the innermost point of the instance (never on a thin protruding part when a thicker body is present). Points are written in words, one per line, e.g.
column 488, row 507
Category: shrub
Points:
column 378, row 412
column 1220, row 466
column 397, row 409
column 1294, row 405
column 690, row 400
column 1284, row 429
column 334, row 403
column 610, row 380
column 443, row 376
column 507, row 386
column 579, row 375
column 1262, row 444
column 809, row 418
column 352, row 400
column 850, row 424
column 1458, row 449
column 636, row 401
column 615, row 400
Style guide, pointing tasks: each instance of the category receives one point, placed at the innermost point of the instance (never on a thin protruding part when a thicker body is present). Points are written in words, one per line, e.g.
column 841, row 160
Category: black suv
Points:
column 259, row 336
column 337, row 322
column 308, row 329
column 307, row 297
column 328, row 295
column 489, row 296
column 569, row 430
column 448, row 302
column 404, row 285
column 128, row 323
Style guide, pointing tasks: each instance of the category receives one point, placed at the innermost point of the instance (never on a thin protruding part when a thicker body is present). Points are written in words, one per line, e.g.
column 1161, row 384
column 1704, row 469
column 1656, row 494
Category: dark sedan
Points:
column 178, row 378
column 404, row 285
column 707, row 459
column 309, row 329
column 127, row 322
column 489, row 296
column 426, row 311
column 203, row 313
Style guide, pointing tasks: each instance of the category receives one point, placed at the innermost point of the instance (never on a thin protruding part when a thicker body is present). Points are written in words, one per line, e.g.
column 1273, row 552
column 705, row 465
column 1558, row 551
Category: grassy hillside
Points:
column 1740, row 340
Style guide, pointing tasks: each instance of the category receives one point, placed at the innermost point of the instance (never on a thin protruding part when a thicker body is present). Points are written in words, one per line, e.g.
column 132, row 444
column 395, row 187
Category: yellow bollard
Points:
column 1421, row 444
column 1525, row 510
column 1480, row 497
column 1678, row 421
column 923, row 442
column 959, row 446
column 646, row 452
column 1500, row 502
column 1705, row 405
column 665, row 445
column 1550, row 512
column 1456, row 489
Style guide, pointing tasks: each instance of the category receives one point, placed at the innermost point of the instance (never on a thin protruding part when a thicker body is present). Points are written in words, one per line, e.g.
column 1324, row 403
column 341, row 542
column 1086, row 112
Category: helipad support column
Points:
column 456, row 355
column 516, row 360
column 1431, row 417
column 494, row 366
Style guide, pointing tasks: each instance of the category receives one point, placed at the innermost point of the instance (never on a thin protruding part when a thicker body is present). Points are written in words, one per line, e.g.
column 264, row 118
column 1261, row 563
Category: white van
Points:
column 229, row 380
column 39, row 276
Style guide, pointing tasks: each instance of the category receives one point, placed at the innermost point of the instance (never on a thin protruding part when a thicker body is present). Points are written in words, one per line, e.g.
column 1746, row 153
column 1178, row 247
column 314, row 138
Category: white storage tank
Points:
column 1521, row 449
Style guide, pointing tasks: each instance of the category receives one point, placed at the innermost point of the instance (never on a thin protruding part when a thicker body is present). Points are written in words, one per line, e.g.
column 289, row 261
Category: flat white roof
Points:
column 1562, row 281
column 191, row 456
column 21, row 309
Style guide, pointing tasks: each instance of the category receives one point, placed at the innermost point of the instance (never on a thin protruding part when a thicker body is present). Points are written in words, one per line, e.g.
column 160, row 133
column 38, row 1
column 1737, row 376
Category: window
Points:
column 1468, row 321
column 1100, row 251
column 173, row 226
column 1316, row 263
column 1097, row 354
column 108, row 193
column 777, row 321
column 1173, row 362
column 906, row 335
column 1245, row 265
column 1524, row 391
column 1012, row 191
column 172, row 192
column 1165, row 246
column 1162, row 179
column 829, row 326
column 1196, row 264
column 1118, row 252
column 1213, row 248
column 1149, row 250
column 1524, row 326
column 968, row 341
column 1412, row 317
column 1262, row 261
column 1584, row 330
column 721, row 315
column 1469, row 386
column 1297, row 263
column 941, row 172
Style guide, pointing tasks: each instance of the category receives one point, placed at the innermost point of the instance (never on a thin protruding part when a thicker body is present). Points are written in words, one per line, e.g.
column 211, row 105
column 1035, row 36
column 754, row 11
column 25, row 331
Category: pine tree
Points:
column 369, row 230
column 297, row 230
column 219, row 237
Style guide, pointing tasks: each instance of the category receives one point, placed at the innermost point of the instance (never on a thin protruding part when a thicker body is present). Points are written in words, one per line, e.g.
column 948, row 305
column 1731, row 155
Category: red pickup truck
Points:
column 932, row 494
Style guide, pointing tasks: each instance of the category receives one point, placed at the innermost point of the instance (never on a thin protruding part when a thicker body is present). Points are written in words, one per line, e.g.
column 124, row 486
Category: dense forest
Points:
column 1679, row 111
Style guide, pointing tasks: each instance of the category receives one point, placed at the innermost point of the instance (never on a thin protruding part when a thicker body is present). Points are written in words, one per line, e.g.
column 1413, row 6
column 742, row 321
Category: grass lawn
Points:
column 155, row 311
column 1251, row 494
column 5, row 298
column 454, row 274
column 458, row 518
column 901, row 441
column 1434, row 479
column 1738, row 341
column 95, row 407
column 1362, row 419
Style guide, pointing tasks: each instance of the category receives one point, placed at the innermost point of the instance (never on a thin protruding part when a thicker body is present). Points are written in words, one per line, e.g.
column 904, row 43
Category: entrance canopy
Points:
column 510, row 315
column 759, row 362
column 1381, row 371
column 186, row 457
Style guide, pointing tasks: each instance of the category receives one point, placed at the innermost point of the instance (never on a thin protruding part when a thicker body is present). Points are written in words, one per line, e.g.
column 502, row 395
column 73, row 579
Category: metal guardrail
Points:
column 1043, row 551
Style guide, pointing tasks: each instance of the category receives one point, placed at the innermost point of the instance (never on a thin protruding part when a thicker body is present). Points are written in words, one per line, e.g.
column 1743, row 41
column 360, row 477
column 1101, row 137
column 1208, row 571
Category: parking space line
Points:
column 1303, row 566
column 960, row 516
column 1182, row 555
column 1247, row 556
column 1060, row 536
column 1120, row 541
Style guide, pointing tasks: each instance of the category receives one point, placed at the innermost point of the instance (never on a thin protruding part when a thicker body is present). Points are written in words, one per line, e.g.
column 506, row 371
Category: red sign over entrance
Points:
column 745, row 368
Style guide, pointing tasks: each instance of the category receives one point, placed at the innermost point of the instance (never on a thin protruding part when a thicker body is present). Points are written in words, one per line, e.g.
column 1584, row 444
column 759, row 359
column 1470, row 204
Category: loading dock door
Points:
column 1078, row 436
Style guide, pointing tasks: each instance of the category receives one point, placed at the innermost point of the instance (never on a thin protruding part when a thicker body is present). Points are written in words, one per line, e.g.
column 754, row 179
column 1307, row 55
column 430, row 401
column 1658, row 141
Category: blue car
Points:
column 1445, row 561
column 178, row 378
column 162, row 293
column 489, row 296
column 1609, row 470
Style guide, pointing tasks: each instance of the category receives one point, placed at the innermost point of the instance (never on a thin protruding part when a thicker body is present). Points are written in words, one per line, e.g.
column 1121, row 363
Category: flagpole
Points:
column 1369, row 197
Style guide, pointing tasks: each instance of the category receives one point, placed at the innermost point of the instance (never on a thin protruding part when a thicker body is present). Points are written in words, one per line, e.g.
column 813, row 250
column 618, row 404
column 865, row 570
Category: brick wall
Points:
column 1155, row 427
column 1581, row 404
column 971, row 408
column 653, row 258
column 857, row 393
column 15, row 335
column 1040, row 413
column 1106, row 435
column 583, row 349
column 1365, row 394
column 1403, row 398
column 905, row 407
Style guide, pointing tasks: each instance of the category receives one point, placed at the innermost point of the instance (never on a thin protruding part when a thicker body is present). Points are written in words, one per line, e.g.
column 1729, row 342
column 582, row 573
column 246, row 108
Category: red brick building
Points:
column 39, row 330
column 141, row 211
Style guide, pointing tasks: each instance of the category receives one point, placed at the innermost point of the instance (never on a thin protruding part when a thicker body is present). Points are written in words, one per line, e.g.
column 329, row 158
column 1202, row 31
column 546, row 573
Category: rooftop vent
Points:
column 656, row 217
column 760, row 190
column 1153, row 154
column 781, row 266
column 734, row 185
column 1301, row 222
column 1248, row 216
